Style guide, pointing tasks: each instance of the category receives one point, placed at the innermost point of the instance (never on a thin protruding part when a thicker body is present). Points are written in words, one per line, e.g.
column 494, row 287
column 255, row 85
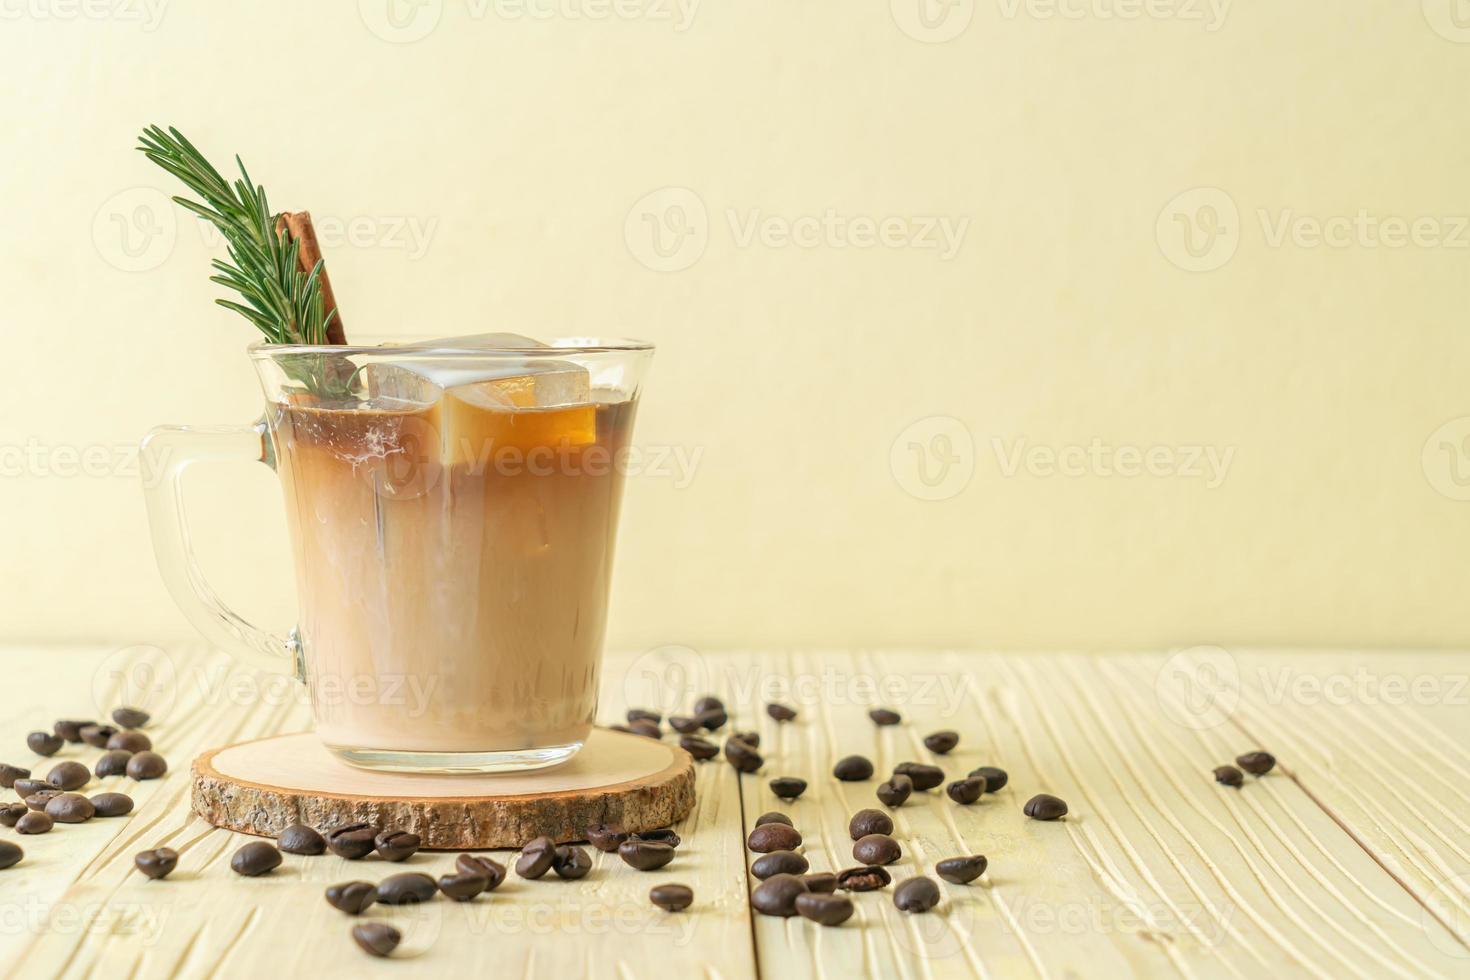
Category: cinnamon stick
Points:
column 298, row 225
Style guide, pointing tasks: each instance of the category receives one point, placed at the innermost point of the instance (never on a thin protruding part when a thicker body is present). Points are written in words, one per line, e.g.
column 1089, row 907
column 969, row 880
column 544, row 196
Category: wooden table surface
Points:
column 1352, row 859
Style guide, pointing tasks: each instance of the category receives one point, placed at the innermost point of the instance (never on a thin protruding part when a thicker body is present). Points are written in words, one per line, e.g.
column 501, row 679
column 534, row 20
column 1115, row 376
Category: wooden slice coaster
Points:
column 264, row 786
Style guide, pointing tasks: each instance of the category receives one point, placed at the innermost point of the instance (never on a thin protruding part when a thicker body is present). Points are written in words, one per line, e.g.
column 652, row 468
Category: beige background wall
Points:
column 1223, row 247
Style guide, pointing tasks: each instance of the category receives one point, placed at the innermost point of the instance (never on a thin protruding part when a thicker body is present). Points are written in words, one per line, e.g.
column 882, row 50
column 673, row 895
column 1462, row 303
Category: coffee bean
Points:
column 1044, row 807
column 773, row 817
column 606, row 836
column 409, row 888
column 827, row 910
column 620, row 728
column 753, row 739
column 966, row 791
column 29, row 787
column 994, row 778
column 112, row 804
column 130, row 742
column 353, row 841
column 941, row 742
column 779, row 862
column 853, row 768
column 34, row 822
column 396, row 845
column 462, row 887
column 924, row 777
column 1229, row 776
column 773, row 837
column 884, row 717
column 788, row 787
column 708, row 703
column 536, row 857
column 352, row 897
column 962, row 870
column 822, row 881
column 255, row 858
column 44, row 743
column 97, row 734
column 646, row 728
column 777, row 895
column 700, row 748
column 877, row 849
column 866, row 822
column 661, row 835
column 781, row 712
column 376, row 938
column 742, row 756
column 70, row 808
column 156, row 863
column 10, row 854
column 643, row 714
column 147, row 765
column 473, row 864
column 130, row 717
column 671, row 898
column 896, row 790
column 645, row 855
column 11, row 813
column 9, row 774
column 712, row 720
column 684, row 724
column 71, row 730
column 1256, row 763
column 69, row 776
column 916, row 895
column 112, row 763
column 571, row 862
column 867, row 878
column 39, row 799
column 301, row 839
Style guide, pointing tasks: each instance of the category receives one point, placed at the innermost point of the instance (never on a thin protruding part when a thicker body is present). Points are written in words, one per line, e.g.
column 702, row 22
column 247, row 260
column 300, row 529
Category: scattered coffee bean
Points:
column 1229, row 776
column 462, row 887
column 97, row 734
column 773, row 837
column 620, row 728
column 130, row 717
column 966, row 791
column 742, row 756
column 713, row 720
column 112, row 804
column 866, row 822
column 753, row 739
column 130, row 742
column 788, row 787
column 409, row 888
column 606, row 836
column 112, row 763
column 147, row 765
column 301, row 839
column 671, row 898
column 700, row 748
column 646, row 728
column 994, row 778
column 10, row 854
column 773, row 817
column 34, row 822
column 924, row 777
column 11, row 813
column 70, row 808
column 571, row 862
column 536, row 858
column 9, row 774
column 884, row 717
column 962, row 870
column 396, row 845
column 777, row 895
column 781, row 712
column 1256, row 763
column 255, row 858
column 827, row 910
column 29, row 787
column 821, row 881
column 867, row 878
column 896, row 790
column 778, row 863
column 853, row 768
column 39, row 799
column 684, row 724
column 472, row 864
column 71, row 730
column 376, row 938
column 916, row 895
column 645, row 855
column 661, row 835
column 708, row 703
column 156, row 863
column 941, row 742
column 1043, row 806
column 69, row 775
column 44, row 743
column 352, row 897
column 353, row 841
column 877, row 849
column 643, row 714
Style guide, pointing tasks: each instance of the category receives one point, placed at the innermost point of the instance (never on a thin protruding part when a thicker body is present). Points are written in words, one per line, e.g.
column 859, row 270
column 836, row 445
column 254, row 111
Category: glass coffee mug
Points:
column 452, row 510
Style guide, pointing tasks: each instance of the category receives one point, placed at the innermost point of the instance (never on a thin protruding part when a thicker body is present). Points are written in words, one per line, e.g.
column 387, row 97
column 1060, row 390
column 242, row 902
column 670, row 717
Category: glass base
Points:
column 462, row 763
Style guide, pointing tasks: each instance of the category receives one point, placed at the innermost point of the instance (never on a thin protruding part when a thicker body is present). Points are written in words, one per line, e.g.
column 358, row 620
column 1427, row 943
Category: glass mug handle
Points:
column 166, row 453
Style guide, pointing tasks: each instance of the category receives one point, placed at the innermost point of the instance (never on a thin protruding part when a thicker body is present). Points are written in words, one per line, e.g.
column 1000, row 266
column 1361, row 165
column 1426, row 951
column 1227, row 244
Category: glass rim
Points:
column 594, row 345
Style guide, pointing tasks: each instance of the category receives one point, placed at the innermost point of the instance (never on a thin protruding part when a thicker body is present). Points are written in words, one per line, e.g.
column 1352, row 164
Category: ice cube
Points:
column 490, row 341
